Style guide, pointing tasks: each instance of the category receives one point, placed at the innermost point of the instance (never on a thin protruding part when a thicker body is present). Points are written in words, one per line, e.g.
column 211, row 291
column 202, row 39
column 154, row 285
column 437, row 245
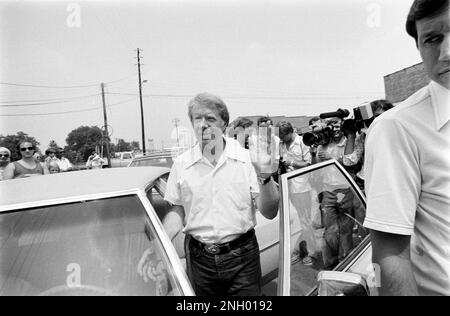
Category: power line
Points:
column 67, row 112
column 36, row 102
column 60, row 87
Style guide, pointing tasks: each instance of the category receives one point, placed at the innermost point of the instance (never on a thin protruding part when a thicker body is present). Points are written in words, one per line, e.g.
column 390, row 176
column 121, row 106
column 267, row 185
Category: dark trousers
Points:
column 234, row 273
column 338, row 240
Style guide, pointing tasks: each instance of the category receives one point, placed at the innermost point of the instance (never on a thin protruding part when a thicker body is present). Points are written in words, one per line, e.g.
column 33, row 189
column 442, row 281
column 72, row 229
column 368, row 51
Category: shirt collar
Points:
column 440, row 100
column 233, row 150
column 297, row 141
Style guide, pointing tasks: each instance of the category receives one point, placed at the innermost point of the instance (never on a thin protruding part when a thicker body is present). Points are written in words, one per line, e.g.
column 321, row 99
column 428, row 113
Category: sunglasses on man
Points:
column 26, row 148
column 4, row 155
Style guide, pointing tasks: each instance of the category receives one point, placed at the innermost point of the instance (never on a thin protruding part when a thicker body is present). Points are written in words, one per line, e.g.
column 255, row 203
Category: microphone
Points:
column 339, row 113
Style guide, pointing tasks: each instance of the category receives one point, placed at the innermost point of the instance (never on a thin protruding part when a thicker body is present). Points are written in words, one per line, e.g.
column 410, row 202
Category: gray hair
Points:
column 211, row 101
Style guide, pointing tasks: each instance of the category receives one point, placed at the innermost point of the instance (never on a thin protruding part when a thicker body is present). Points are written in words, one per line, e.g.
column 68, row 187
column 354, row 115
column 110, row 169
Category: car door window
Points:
column 86, row 248
column 323, row 213
column 162, row 207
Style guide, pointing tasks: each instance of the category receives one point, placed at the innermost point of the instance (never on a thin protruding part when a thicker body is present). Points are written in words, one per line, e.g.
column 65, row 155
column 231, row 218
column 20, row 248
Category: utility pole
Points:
column 176, row 121
column 105, row 133
column 140, row 99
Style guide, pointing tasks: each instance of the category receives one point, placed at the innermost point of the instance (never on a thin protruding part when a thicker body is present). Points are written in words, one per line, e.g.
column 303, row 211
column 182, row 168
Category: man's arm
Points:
column 392, row 253
column 297, row 162
column 173, row 221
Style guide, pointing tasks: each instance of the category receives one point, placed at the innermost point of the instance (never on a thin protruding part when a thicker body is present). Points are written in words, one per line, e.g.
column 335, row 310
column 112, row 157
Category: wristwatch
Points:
column 263, row 181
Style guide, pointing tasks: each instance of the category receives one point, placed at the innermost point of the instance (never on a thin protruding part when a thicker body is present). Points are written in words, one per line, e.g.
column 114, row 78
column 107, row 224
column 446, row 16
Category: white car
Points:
column 83, row 233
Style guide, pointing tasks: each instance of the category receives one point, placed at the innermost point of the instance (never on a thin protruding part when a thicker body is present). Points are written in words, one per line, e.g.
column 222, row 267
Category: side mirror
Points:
column 337, row 283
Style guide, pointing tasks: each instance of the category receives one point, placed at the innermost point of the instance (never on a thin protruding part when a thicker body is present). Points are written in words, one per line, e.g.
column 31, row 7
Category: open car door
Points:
column 324, row 248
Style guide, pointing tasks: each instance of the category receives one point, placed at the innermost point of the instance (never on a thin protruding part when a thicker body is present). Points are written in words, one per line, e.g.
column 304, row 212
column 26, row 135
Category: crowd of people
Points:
column 31, row 162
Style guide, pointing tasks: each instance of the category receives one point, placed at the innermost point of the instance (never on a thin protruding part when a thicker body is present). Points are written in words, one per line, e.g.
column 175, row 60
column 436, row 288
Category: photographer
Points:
column 335, row 146
column 355, row 133
column 94, row 161
column 337, row 201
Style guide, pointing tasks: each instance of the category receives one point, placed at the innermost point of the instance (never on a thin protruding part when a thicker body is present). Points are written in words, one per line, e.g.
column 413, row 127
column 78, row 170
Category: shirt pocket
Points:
column 194, row 195
column 238, row 194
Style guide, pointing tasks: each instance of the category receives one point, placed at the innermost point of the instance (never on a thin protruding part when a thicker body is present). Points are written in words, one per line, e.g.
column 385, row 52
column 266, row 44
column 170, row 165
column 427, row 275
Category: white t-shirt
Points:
column 217, row 200
column 407, row 168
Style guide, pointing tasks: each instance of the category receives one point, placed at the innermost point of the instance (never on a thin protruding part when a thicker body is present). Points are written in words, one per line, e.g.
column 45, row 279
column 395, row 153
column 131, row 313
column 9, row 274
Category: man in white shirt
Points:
column 64, row 163
column 296, row 155
column 407, row 170
column 215, row 188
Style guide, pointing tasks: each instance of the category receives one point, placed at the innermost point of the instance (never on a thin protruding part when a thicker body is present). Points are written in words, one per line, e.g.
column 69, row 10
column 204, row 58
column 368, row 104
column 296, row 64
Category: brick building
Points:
column 403, row 83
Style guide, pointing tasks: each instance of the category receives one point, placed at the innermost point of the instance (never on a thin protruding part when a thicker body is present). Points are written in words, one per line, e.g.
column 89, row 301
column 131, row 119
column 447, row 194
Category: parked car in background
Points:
column 122, row 159
column 163, row 158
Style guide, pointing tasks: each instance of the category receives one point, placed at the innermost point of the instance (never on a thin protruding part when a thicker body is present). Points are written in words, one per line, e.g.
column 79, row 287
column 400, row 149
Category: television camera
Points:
column 363, row 116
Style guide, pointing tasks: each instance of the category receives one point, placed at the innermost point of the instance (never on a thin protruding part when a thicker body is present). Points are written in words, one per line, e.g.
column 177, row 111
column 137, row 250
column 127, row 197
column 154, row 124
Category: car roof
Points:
column 68, row 185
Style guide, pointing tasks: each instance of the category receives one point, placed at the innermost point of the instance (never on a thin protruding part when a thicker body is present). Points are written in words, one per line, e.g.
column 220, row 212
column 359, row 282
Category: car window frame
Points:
column 285, row 229
column 178, row 268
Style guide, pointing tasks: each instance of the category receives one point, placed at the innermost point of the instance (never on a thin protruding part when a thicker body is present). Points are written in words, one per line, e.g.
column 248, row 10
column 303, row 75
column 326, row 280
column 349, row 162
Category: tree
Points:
column 84, row 140
column 135, row 145
column 12, row 141
column 122, row 145
column 53, row 145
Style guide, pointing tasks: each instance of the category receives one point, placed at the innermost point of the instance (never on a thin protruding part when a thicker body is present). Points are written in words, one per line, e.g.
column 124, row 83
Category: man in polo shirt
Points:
column 407, row 170
column 214, row 189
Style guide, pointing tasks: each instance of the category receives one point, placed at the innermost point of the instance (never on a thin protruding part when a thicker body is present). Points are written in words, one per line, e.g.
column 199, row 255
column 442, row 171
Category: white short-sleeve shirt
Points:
column 407, row 169
column 218, row 200
column 301, row 151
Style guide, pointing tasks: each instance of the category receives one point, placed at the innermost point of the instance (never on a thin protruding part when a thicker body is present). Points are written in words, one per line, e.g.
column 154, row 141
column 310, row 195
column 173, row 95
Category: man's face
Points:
column 207, row 123
column 286, row 138
column 434, row 46
column 336, row 124
column 26, row 150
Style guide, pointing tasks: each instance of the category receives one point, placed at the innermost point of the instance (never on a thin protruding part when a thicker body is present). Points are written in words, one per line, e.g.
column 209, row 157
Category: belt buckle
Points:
column 212, row 249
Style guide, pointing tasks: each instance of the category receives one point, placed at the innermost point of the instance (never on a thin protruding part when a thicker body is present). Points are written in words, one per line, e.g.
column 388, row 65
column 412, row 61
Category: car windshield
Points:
column 85, row 248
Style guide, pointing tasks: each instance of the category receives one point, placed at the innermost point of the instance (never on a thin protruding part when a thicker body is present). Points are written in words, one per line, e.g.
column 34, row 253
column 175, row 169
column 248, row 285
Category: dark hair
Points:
column 285, row 128
column 421, row 9
column 243, row 122
column 210, row 100
column 263, row 119
column 313, row 119
column 381, row 104
column 25, row 141
column 50, row 150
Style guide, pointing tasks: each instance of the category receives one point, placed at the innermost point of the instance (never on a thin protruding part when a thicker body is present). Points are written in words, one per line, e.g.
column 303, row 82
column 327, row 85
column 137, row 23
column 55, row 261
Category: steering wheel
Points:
column 80, row 290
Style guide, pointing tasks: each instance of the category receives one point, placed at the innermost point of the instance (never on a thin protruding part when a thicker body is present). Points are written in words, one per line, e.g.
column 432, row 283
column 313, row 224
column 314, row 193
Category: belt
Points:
column 217, row 249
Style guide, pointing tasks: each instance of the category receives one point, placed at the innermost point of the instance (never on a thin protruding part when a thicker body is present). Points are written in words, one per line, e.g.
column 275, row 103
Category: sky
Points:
column 276, row 57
